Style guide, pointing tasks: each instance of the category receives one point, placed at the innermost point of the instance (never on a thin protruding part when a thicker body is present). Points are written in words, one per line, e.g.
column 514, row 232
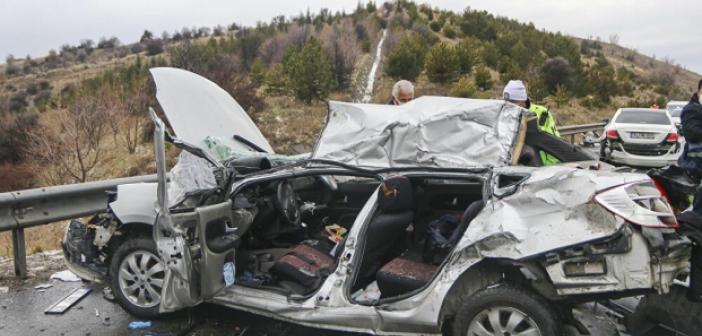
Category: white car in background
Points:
column 641, row 137
column 674, row 108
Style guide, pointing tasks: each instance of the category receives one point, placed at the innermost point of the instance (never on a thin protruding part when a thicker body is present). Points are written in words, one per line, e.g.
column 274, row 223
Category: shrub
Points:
column 449, row 32
column 136, row 48
column 308, row 71
column 146, row 36
column 464, row 88
column 257, row 72
column 561, row 96
column 15, row 177
column 425, row 33
column 276, row 82
column 108, row 43
column 468, row 52
column 435, row 26
column 406, row 60
column 442, row 63
column 18, row 102
column 557, row 71
column 13, row 136
column 154, row 47
column 600, row 80
column 483, row 78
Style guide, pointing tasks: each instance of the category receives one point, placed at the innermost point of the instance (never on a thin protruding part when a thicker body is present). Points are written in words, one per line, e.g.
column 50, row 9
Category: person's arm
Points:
column 691, row 119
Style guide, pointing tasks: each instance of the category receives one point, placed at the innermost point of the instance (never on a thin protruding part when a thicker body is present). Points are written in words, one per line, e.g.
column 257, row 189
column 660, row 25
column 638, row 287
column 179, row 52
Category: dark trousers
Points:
column 692, row 228
column 691, row 223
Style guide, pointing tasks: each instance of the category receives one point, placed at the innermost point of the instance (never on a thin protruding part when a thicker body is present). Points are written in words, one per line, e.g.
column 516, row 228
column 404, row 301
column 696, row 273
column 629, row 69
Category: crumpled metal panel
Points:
column 554, row 205
column 428, row 131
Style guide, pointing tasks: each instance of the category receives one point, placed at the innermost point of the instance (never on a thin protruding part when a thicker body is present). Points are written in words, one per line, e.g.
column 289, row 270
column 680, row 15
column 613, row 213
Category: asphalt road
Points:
column 22, row 313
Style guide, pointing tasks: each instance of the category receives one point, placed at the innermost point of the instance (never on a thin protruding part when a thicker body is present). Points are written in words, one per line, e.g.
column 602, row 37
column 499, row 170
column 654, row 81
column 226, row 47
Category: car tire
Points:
column 136, row 276
column 491, row 310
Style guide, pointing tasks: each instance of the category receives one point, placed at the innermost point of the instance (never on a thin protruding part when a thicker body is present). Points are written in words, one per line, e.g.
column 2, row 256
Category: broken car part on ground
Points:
column 412, row 219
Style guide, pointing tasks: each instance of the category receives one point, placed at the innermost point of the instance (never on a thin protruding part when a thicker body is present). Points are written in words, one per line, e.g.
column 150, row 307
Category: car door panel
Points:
column 186, row 242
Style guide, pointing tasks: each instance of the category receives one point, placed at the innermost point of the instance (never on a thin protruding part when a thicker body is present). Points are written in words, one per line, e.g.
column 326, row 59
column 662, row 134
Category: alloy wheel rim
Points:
column 503, row 321
column 141, row 276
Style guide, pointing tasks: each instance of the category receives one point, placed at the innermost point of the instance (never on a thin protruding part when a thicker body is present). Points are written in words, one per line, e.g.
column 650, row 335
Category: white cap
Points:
column 515, row 91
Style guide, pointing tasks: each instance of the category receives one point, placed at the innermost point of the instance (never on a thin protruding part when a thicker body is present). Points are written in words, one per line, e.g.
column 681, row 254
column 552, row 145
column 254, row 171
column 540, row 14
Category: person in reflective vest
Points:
column 515, row 92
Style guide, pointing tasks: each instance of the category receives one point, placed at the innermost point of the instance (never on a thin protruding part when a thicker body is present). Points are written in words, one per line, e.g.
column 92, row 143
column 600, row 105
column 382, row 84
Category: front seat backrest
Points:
column 471, row 212
column 394, row 214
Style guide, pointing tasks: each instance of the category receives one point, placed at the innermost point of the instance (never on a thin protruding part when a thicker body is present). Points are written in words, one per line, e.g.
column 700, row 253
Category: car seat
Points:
column 387, row 228
column 402, row 275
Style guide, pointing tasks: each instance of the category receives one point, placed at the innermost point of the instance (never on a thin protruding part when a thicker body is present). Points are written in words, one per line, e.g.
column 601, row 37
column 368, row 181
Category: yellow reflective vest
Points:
column 547, row 124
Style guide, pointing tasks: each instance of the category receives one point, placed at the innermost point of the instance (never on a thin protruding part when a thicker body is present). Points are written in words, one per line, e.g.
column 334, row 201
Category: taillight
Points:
column 672, row 137
column 612, row 134
column 641, row 203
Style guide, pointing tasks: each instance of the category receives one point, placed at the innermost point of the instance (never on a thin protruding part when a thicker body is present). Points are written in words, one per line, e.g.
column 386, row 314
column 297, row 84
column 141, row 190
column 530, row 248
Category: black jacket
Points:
column 691, row 120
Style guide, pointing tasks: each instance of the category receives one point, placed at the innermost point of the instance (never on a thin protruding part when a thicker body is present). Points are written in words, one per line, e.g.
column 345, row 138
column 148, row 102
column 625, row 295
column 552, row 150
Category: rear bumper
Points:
column 622, row 157
column 650, row 262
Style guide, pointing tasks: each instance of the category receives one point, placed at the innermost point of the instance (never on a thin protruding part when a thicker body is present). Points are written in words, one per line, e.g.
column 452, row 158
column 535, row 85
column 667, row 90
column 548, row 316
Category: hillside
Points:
column 79, row 114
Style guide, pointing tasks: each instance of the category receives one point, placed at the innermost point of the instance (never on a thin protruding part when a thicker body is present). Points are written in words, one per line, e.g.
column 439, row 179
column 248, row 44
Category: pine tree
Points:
column 308, row 71
column 442, row 63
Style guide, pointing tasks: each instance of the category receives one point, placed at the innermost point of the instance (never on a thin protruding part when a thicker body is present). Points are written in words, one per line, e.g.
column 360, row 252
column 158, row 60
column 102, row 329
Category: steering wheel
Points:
column 287, row 203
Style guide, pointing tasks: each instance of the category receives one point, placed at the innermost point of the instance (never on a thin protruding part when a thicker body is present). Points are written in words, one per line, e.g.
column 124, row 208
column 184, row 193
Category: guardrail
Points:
column 572, row 130
column 26, row 208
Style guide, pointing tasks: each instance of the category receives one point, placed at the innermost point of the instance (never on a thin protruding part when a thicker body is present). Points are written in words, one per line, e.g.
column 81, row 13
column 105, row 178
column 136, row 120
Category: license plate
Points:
column 641, row 135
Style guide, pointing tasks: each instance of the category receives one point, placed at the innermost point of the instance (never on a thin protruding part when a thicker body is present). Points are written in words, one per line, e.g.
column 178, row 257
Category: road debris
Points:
column 43, row 287
column 4, row 290
column 136, row 325
column 97, row 313
column 67, row 302
column 64, row 275
column 107, row 294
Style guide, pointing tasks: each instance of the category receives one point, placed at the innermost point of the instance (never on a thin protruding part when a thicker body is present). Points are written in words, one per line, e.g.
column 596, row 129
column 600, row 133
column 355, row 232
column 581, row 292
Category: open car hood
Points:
column 197, row 109
column 428, row 131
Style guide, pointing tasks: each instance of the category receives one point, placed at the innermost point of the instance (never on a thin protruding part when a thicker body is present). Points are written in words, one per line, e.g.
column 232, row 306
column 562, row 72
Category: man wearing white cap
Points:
column 515, row 92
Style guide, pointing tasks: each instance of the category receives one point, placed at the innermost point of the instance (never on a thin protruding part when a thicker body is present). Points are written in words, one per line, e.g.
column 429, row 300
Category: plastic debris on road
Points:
column 4, row 290
column 66, row 275
column 107, row 294
column 43, row 287
column 135, row 325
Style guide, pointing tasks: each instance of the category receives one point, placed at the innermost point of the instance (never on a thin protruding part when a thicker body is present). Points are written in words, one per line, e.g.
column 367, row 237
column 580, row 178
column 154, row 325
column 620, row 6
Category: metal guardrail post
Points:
column 19, row 253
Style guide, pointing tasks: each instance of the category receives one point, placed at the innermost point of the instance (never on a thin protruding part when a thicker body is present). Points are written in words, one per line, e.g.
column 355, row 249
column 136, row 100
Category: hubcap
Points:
column 503, row 321
column 140, row 277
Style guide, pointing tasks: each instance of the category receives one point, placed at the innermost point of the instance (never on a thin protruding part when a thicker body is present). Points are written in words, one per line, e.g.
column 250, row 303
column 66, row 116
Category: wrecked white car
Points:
column 412, row 219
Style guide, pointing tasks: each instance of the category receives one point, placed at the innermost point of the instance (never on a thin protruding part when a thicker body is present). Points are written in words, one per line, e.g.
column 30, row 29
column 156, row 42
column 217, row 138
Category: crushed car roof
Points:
column 428, row 131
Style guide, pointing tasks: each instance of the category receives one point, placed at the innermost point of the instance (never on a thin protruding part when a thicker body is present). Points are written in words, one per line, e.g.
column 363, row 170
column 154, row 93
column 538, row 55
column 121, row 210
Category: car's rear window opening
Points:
column 643, row 117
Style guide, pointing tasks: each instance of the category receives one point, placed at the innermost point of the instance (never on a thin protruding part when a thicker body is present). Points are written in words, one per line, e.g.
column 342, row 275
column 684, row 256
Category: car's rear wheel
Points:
column 506, row 311
column 137, row 275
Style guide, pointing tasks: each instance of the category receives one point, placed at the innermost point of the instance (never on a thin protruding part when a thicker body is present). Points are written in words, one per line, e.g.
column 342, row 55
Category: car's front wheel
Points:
column 505, row 311
column 137, row 275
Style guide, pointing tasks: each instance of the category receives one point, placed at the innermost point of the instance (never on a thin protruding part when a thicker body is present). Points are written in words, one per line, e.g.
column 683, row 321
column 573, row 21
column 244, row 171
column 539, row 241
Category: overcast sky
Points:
column 654, row 27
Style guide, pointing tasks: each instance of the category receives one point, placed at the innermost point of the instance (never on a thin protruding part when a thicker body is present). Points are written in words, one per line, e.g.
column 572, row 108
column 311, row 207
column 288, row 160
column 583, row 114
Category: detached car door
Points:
column 197, row 245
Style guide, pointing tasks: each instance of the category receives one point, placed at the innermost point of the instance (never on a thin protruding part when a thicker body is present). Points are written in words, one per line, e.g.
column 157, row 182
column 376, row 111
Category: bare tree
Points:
column 614, row 39
column 341, row 45
column 72, row 146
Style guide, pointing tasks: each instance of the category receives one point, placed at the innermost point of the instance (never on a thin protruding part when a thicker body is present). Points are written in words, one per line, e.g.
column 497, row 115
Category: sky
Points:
column 654, row 27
